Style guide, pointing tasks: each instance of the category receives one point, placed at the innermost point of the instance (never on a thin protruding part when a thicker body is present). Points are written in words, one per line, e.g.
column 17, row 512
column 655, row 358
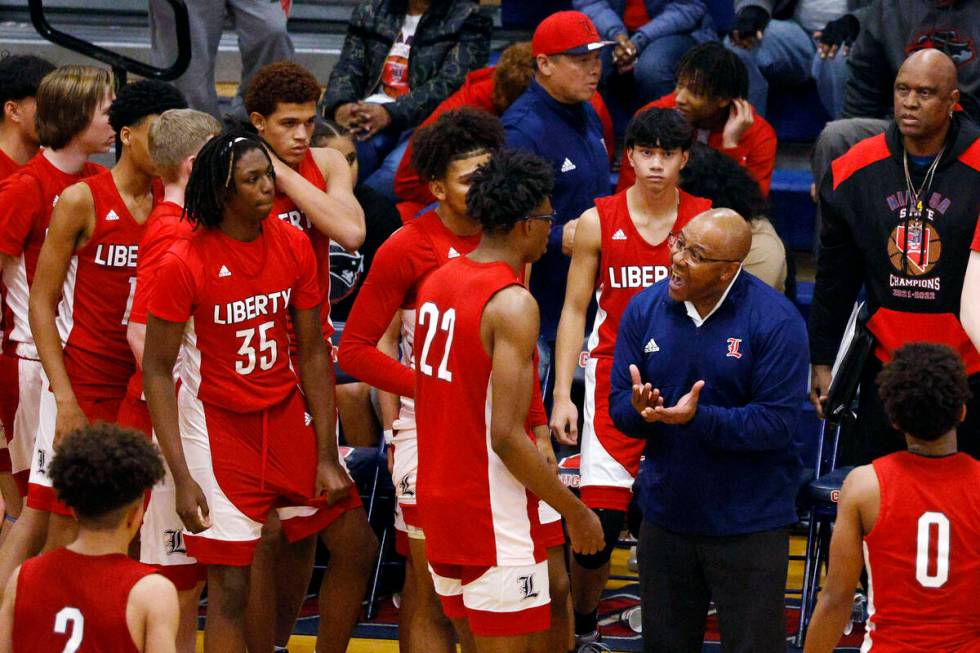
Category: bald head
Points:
column 925, row 95
column 722, row 232
column 932, row 64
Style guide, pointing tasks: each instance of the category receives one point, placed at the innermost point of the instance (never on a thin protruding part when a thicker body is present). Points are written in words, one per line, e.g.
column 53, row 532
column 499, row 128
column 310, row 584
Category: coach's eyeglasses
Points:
column 678, row 245
column 548, row 217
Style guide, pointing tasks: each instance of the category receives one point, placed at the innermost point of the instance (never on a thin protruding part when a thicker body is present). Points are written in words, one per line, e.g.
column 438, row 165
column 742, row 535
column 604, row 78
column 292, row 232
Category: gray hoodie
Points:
column 890, row 30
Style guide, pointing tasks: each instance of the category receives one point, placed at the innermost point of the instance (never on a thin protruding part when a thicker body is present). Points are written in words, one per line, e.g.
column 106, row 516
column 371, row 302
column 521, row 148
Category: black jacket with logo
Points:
column 912, row 270
column 452, row 39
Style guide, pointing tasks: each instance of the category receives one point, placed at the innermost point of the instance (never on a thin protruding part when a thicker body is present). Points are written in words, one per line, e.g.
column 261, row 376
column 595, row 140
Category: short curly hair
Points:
column 454, row 135
column 924, row 388
column 507, row 188
column 283, row 81
column 101, row 468
column 717, row 177
column 147, row 97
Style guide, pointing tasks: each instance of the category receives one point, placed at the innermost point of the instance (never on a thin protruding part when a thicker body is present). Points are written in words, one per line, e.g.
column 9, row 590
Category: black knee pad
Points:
column 612, row 525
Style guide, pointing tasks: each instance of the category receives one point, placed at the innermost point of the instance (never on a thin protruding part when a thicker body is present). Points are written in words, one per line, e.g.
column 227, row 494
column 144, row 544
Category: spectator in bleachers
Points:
column 554, row 120
column 899, row 213
column 776, row 40
column 712, row 84
column 260, row 26
column 717, row 488
column 401, row 58
column 714, row 176
column 492, row 89
column 650, row 38
column 890, row 30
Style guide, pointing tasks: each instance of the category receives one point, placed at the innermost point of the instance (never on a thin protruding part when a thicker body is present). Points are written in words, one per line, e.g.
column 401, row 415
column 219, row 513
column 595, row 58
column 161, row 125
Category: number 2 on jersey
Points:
column 429, row 314
column 923, row 540
column 74, row 617
column 267, row 349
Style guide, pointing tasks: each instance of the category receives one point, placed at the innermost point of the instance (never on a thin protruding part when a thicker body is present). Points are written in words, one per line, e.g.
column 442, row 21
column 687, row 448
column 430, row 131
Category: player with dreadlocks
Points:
column 239, row 445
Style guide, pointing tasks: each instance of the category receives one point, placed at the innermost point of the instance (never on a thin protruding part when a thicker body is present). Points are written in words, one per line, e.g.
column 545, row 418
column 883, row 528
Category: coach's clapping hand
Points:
column 650, row 405
column 585, row 530
column 332, row 481
column 192, row 507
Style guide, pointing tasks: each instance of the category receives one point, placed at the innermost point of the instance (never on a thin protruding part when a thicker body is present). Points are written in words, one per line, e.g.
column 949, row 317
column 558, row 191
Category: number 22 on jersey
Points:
column 432, row 321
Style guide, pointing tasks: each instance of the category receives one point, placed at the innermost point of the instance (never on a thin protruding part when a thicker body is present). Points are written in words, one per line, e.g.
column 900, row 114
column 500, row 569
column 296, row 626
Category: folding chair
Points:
column 819, row 497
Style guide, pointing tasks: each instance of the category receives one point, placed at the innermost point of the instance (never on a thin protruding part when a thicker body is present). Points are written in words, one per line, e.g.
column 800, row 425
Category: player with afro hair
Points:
column 456, row 135
column 508, row 189
column 924, row 390
column 103, row 472
column 102, row 469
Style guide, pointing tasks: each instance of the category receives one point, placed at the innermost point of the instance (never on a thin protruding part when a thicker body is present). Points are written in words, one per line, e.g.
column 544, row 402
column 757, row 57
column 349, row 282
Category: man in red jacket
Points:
column 492, row 89
column 712, row 84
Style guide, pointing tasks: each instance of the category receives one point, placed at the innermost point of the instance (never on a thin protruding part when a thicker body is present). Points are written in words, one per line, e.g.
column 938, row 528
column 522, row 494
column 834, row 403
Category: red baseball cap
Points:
column 566, row 32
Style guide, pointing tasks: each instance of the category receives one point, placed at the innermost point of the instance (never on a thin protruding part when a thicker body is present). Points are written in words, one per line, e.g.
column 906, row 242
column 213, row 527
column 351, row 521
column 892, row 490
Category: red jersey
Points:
column 7, row 167
column 628, row 263
column 400, row 266
column 756, row 151
column 26, row 200
column 97, row 297
column 287, row 211
column 67, row 601
column 923, row 555
column 238, row 294
column 635, row 15
column 461, row 481
column 163, row 228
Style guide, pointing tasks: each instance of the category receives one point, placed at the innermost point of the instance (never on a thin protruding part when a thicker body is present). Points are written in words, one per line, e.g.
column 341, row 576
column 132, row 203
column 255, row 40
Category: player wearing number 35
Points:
column 917, row 515
column 89, row 595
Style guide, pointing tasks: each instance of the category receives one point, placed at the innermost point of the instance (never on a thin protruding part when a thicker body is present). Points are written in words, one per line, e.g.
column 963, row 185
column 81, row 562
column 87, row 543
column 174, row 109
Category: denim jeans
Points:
column 783, row 56
column 378, row 159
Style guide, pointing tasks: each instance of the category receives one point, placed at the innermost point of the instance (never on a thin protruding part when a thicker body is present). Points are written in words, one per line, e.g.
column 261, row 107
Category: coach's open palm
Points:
column 69, row 418
column 585, row 531
column 332, row 481
column 192, row 506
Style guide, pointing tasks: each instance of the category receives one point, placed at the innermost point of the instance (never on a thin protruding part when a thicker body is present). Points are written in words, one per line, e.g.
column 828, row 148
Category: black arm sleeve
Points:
column 839, row 276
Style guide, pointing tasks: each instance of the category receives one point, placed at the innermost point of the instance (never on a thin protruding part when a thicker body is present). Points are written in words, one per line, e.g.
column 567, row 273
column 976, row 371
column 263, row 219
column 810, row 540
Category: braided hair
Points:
column 212, row 178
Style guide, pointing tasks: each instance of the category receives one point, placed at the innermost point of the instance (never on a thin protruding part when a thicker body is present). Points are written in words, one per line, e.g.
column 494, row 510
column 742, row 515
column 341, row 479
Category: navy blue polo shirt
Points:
column 733, row 469
column 569, row 136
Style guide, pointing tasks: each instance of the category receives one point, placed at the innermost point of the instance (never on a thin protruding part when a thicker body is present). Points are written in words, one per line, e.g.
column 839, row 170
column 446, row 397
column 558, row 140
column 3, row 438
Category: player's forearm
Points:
column 567, row 349
column 337, row 215
column 161, row 399
column 41, row 313
column 829, row 618
column 317, row 376
column 136, row 337
column 528, row 466
column 361, row 358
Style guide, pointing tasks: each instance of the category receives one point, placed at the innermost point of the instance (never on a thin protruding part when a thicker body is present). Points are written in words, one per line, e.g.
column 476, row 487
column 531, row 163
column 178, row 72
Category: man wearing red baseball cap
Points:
column 554, row 120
